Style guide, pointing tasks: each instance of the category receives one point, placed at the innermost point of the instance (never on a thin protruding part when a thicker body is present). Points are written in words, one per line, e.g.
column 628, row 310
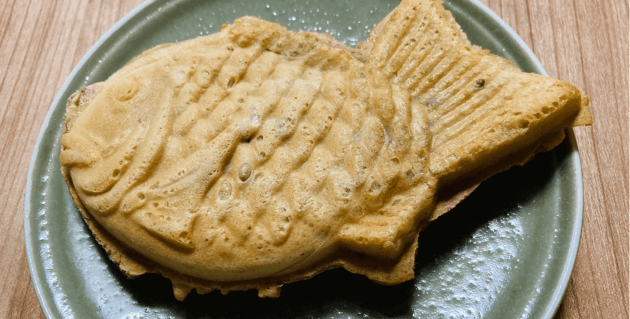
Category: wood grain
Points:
column 582, row 41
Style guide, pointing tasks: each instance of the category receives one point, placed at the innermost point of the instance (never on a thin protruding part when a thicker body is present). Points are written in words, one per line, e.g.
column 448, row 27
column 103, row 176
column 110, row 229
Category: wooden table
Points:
column 581, row 41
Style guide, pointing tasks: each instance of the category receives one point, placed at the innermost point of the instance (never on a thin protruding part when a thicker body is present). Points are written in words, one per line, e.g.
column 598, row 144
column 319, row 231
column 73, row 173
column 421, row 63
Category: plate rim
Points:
column 576, row 227
column 38, row 282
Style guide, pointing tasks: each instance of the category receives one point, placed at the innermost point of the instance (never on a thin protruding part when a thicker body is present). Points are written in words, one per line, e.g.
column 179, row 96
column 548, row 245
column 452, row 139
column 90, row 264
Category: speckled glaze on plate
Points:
column 505, row 252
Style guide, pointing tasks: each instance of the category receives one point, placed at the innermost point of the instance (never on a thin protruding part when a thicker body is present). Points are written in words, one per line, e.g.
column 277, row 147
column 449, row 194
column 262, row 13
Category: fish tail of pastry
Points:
column 481, row 107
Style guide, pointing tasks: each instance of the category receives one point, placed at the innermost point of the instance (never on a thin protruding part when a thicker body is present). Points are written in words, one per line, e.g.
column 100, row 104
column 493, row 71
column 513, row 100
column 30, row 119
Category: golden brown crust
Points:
column 133, row 264
column 175, row 176
column 84, row 150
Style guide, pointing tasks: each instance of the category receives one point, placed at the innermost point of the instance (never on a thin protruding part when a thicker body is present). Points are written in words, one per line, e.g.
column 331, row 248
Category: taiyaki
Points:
column 258, row 156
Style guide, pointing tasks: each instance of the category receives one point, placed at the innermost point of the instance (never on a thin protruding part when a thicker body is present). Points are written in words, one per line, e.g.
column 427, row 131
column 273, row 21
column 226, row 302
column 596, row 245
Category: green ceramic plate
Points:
column 505, row 252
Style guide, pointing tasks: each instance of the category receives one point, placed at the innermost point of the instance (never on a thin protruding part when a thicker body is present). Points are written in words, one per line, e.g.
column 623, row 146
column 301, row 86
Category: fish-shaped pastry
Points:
column 258, row 156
